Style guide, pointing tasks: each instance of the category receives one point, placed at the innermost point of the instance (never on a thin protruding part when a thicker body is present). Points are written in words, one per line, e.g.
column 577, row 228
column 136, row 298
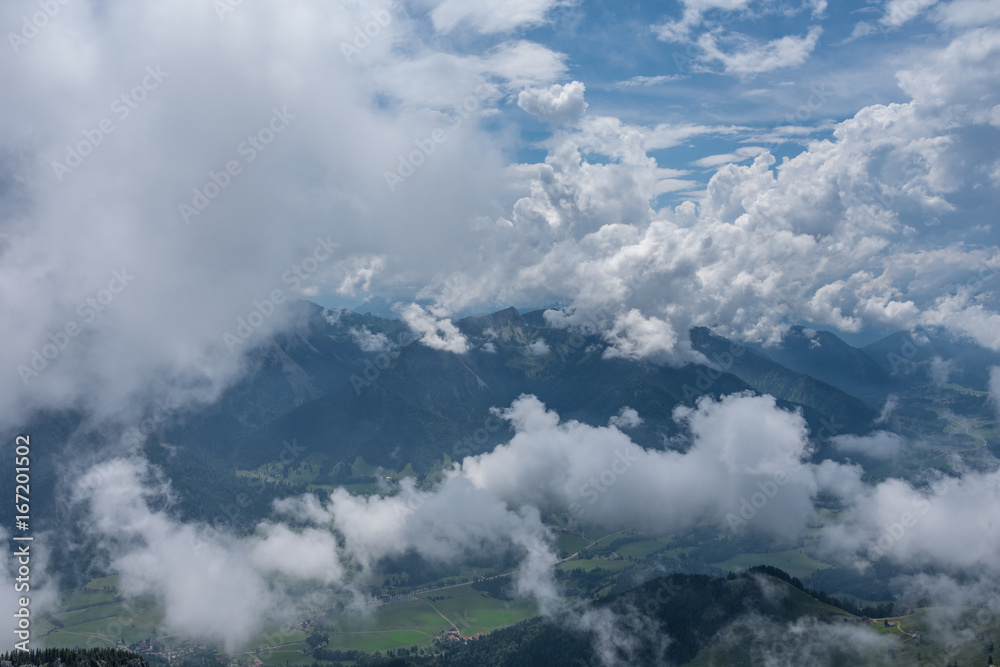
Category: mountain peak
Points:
column 508, row 319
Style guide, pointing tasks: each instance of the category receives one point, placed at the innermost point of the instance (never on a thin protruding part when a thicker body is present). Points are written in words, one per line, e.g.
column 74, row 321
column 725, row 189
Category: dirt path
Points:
column 969, row 433
column 898, row 624
column 441, row 615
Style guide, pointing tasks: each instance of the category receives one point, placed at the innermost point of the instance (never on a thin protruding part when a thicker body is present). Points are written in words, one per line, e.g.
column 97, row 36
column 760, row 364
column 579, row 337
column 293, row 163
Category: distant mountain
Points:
column 345, row 385
column 766, row 376
column 826, row 357
column 339, row 388
column 931, row 354
column 415, row 404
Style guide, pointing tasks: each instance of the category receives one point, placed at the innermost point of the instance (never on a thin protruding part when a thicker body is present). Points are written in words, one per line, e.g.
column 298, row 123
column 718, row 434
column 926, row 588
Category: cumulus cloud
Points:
column 877, row 445
column 439, row 333
column 829, row 236
column 370, row 342
column 626, row 418
column 956, row 73
column 485, row 505
column 746, row 469
column 600, row 474
column 358, row 274
column 560, row 104
column 209, row 583
column 539, row 348
column 308, row 216
column 636, row 337
column 896, row 521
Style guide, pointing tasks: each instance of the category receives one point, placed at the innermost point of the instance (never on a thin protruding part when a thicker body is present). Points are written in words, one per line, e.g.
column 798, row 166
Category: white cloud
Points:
column 960, row 73
column 829, row 235
column 918, row 528
column 210, row 584
column 888, row 408
column 332, row 316
column 751, row 58
column 538, row 348
column 835, row 235
column 740, row 155
column 599, row 475
column 321, row 176
column 877, row 445
column 899, row 12
column 636, row 337
column 940, row 371
column 967, row 13
column 370, row 342
column 861, row 29
column 626, row 418
column 439, row 333
column 708, row 23
column 821, row 237
column 561, row 104
column 744, row 470
column 647, row 81
column 491, row 16
column 358, row 274
column 680, row 30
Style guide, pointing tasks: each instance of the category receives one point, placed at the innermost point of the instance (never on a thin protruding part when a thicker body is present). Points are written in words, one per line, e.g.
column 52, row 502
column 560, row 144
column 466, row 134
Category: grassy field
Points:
column 101, row 583
column 380, row 640
column 403, row 625
column 100, row 623
column 286, row 654
column 589, row 564
column 418, row 622
column 644, row 548
column 795, row 562
column 95, row 617
column 570, row 544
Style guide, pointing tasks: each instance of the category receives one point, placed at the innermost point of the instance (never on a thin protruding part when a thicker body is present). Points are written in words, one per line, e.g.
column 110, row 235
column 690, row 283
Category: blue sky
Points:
column 632, row 74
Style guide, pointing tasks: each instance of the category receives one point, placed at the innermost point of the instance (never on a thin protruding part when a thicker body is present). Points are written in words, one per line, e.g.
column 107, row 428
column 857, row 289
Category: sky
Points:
column 728, row 163
column 169, row 170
